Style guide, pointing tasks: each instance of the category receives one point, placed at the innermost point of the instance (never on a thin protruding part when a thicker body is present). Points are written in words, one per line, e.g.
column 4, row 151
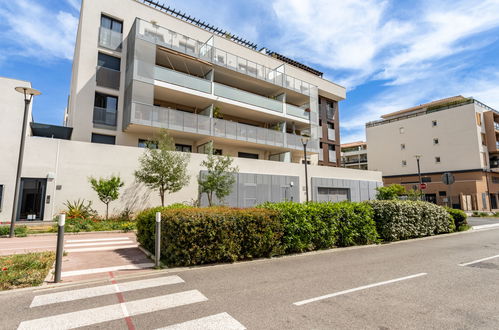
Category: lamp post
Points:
column 418, row 157
column 28, row 95
column 304, row 141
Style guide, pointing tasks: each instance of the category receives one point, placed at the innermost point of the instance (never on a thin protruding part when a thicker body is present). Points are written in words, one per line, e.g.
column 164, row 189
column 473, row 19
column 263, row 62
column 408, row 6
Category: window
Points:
column 111, row 24
column 105, row 139
column 148, row 144
column 1, row 196
column 495, row 179
column 404, row 163
column 434, row 123
column 331, row 147
column 442, row 193
column 108, row 61
column 435, row 141
column 401, row 130
column 320, row 145
column 217, row 152
column 478, row 119
column 183, row 147
column 402, row 146
column 426, row 179
column 105, row 109
column 330, row 126
column 247, row 155
column 437, row 159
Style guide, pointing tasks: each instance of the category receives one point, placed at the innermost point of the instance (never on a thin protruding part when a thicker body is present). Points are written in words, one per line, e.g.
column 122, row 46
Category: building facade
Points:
column 354, row 155
column 457, row 135
column 139, row 68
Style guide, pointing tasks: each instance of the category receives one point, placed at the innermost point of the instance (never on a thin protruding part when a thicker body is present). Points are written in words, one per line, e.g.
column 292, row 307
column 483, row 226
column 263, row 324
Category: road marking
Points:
column 479, row 260
column 303, row 302
column 103, row 290
column 97, row 243
column 213, row 322
column 121, row 300
column 106, row 248
column 114, row 312
column 490, row 226
column 96, row 239
column 106, row 269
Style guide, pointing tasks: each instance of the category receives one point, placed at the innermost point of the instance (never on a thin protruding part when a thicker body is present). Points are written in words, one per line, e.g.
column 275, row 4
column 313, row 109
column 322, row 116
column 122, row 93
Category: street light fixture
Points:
column 304, row 141
column 28, row 96
column 418, row 157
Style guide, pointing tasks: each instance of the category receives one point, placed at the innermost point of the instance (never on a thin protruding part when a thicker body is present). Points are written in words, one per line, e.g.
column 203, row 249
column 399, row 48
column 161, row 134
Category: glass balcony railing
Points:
column 108, row 78
column 179, row 42
column 110, row 39
column 247, row 97
column 148, row 115
column 182, row 79
column 104, row 116
column 496, row 126
column 295, row 111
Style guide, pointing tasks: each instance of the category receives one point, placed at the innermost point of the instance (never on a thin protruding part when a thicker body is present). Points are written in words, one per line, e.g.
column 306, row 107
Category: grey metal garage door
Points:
column 332, row 194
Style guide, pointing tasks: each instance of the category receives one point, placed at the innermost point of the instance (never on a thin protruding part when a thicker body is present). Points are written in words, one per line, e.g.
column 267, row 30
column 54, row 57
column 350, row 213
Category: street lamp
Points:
column 418, row 157
column 28, row 95
column 304, row 141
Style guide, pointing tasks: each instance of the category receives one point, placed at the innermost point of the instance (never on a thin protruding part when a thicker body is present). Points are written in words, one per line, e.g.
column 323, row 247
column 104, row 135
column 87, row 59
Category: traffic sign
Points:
column 448, row 178
column 422, row 186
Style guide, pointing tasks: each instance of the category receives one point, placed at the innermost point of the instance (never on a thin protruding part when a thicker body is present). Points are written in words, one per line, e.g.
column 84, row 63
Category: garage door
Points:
column 332, row 194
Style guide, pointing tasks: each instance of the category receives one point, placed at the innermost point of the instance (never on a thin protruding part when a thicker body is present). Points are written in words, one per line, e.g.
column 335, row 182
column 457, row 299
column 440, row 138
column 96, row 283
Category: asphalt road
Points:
column 478, row 221
column 436, row 283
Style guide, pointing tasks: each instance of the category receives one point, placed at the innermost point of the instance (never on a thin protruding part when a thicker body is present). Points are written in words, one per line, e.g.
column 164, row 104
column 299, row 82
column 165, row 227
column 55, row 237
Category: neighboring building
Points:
column 354, row 155
column 457, row 135
column 139, row 67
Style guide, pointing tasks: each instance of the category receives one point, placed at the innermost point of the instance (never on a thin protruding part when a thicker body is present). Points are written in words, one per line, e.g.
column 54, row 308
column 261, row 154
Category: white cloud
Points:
column 37, row 32
column 75, row 4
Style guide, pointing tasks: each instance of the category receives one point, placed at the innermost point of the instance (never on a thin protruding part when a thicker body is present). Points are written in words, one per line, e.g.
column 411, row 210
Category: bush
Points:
column 191, row 236
column 19, row 231
column 398, row 220
column 393, row 191
column 459, row 218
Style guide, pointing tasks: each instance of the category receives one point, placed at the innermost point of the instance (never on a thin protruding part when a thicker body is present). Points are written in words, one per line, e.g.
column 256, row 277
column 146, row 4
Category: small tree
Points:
column 163, row 169
column 107, row 189
column 393, row 191
column 220, row 176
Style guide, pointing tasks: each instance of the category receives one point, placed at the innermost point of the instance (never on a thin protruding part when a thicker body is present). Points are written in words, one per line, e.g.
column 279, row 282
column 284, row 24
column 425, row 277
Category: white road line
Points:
column 96, row 239
column 72, row 295
column 106, row 248
column 489, row 226
column 106, row 269
column 303, row 302
column 479, row 260
column 113, row 312
column 213, row 322
column 98, row 243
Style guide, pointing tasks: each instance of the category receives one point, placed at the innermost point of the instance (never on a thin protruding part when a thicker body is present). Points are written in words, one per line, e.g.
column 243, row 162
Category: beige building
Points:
column 354, row 155
column 456, row 135
column 139, row 68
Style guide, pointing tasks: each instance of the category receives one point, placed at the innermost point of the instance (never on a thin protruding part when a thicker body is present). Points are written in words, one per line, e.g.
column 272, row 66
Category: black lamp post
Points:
column 418, row 157
column 304, row 140
column 28, row 95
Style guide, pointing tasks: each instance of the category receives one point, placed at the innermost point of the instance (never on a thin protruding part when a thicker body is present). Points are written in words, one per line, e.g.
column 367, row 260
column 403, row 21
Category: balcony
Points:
column 331, row 134
column 247, row 97
column 182, row 79
column 108, row 78
column 148, row 115
column 110, row 39
column 181, row 43
column 496, row 126
column 297, row 112
column 104, row 116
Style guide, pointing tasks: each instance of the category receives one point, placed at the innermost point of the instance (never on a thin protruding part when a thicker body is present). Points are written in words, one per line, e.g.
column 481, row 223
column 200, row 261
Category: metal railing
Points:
column 108, row 78
column 110, row 39
column 179, row 42
column 104, row 116
column 182, row 79
column 143, row 114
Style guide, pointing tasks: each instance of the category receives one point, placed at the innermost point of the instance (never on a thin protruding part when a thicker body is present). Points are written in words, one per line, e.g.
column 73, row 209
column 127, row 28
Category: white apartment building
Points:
column 354, row 155
column 456, row 135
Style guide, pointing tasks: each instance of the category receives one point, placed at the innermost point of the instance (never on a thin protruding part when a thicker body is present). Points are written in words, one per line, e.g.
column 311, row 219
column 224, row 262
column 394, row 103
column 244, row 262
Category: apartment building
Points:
column 457, row 135
column 140, row 67
column 354, row 155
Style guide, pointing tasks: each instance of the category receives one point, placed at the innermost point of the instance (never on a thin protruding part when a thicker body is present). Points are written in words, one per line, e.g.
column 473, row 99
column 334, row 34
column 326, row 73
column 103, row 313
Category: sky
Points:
column 390, row 55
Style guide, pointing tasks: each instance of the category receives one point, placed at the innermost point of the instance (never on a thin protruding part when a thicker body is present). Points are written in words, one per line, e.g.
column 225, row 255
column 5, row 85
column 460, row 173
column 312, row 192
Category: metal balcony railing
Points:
column 108, row 78
column 104, row 116
column 143, row 114
column 110, row 39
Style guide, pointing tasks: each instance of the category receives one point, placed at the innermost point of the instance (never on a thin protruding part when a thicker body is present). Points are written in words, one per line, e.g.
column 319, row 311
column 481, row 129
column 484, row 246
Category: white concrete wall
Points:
column 73, row 162
column 459, row 146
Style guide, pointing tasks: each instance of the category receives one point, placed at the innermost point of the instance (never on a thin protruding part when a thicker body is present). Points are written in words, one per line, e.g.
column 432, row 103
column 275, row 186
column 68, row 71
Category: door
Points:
column 32, row 199
column 432, row 198
column 332, row 194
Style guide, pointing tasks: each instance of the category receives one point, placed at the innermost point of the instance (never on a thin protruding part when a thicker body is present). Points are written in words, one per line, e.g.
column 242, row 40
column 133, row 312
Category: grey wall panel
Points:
column 358, row 190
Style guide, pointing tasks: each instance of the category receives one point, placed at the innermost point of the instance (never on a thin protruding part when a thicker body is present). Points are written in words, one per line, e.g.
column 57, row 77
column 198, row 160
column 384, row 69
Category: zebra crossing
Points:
column 125, row 310
column 98, row 244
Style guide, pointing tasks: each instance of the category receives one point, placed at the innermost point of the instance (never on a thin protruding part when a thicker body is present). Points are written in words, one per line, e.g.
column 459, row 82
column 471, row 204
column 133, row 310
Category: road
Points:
column 478, row 221
column 435, row 283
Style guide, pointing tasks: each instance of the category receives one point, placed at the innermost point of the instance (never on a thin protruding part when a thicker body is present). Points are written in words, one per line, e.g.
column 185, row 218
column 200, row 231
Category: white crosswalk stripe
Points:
column 97, row 239
column 213, row 322
column 106, row 269
column 98, row 243
column 105, row 248
column 114, row 312
column 71, row 295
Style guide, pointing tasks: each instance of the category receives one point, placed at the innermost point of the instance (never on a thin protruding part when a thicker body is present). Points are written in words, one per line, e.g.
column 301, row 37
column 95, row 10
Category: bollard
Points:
column 157, row 253
column 60, row 248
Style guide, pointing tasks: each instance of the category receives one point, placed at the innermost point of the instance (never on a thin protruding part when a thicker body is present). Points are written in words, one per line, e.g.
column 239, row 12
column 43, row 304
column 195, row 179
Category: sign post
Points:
column 157, row 252
column 60, row 247
column 448, row 179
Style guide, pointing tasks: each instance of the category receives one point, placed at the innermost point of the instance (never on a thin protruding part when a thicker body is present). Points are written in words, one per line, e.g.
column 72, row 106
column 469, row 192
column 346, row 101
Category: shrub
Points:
column 79, row 209
column 393, row 191
column 459, row 218
column 19, row 231
column 193, row 236
column 398, row 220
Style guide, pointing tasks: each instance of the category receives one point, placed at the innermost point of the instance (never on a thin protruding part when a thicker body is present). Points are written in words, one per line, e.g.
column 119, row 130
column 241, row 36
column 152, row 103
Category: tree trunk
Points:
column 210, row 197
column 162, row 196
column 107, row 210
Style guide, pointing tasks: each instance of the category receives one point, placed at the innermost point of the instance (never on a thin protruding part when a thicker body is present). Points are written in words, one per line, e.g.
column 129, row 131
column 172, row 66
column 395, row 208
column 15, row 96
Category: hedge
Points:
column 459, row 218
column 398, row 220
column 191, row 236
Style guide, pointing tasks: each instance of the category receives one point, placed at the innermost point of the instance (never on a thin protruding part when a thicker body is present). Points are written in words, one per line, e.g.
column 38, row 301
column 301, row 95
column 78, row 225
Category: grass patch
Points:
column 24, row 270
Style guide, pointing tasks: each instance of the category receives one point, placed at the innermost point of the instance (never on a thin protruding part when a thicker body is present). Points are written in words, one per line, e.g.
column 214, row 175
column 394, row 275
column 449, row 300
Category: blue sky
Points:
column 389, row 54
